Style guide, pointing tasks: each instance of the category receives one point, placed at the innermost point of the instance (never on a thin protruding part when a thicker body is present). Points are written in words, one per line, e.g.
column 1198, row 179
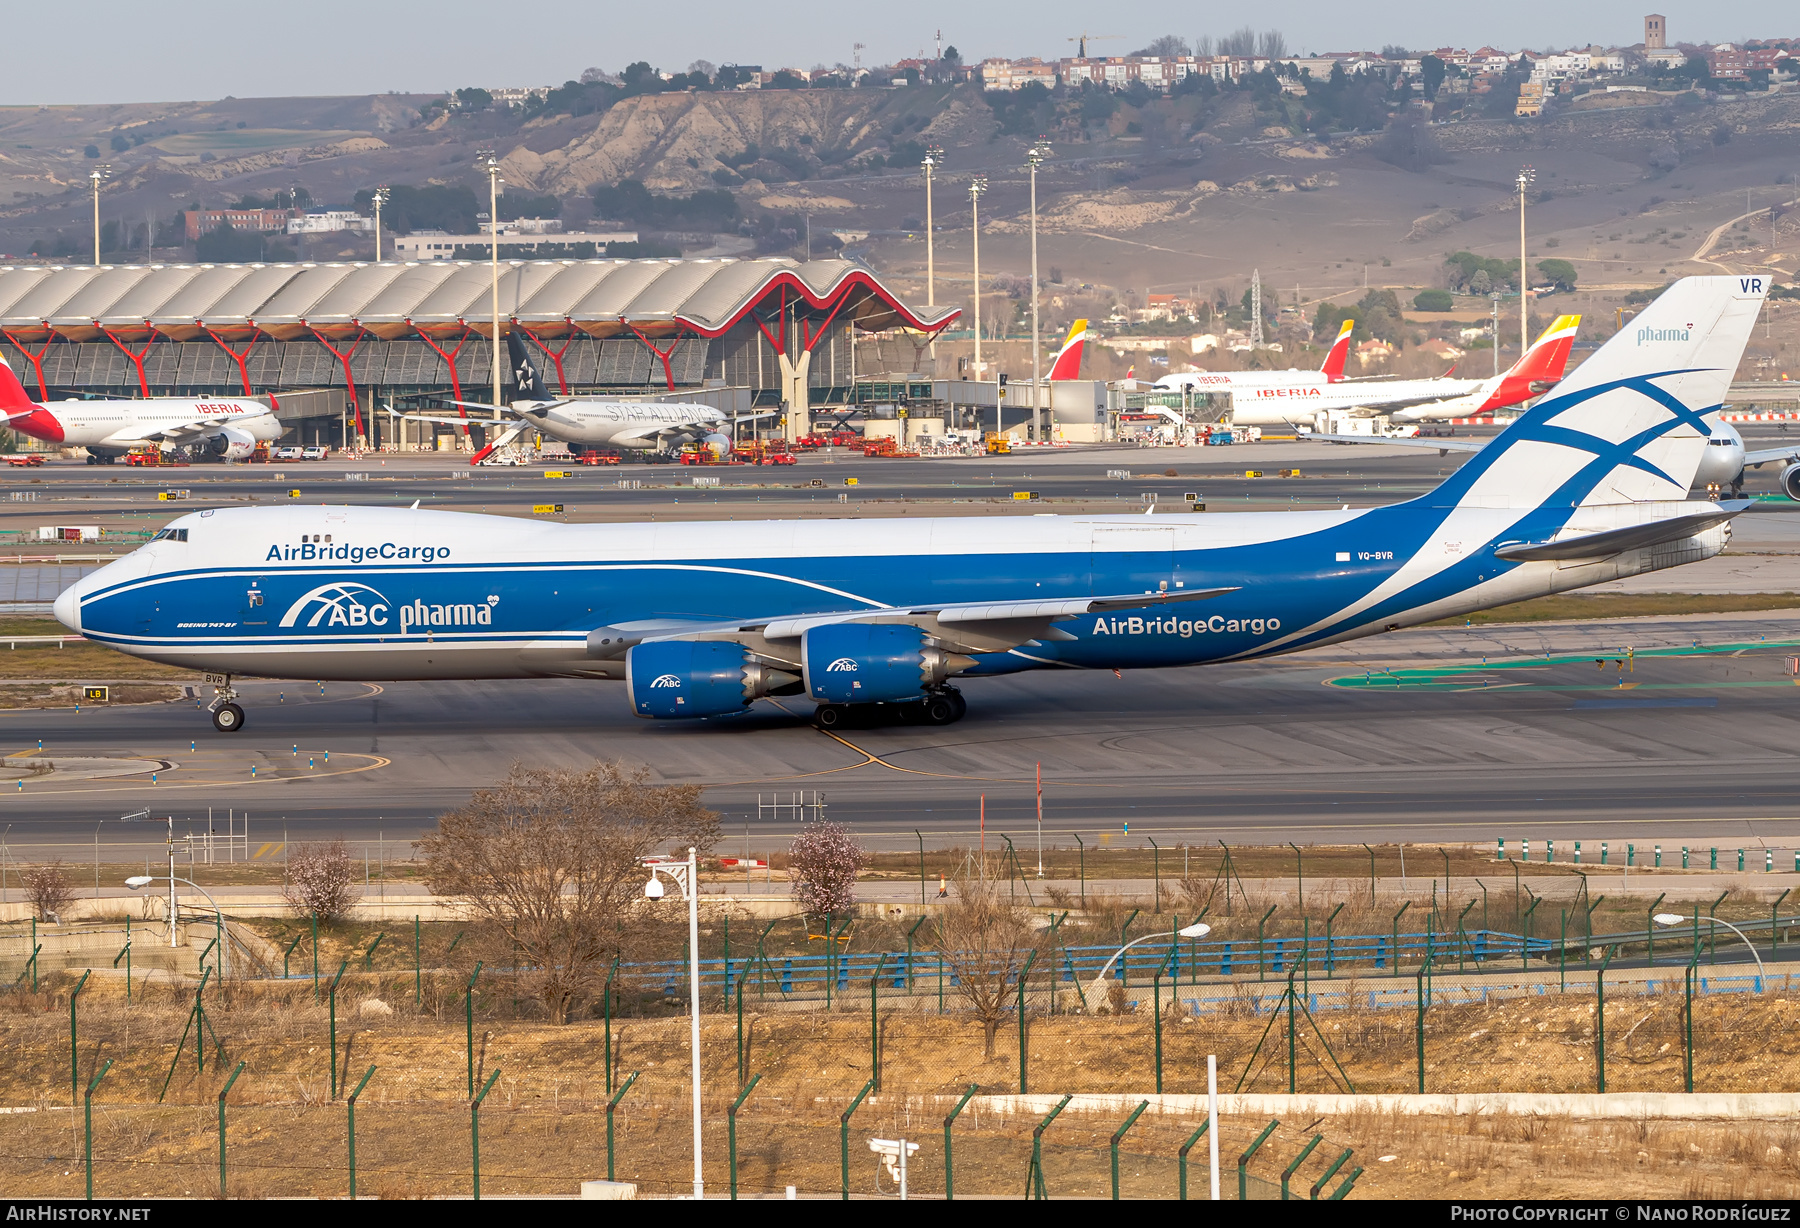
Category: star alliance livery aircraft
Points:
column 866, row 616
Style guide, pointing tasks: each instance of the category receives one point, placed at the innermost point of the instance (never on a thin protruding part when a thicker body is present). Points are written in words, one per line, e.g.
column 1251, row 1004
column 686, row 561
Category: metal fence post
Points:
column 418, row 975
column 1244, row 1160
column 1156, row 1015
column 1650, row 931
column 606, row 1008
column 74, row 1054
column 1419, row 997
column 475, row 1130
column 1688, row 978
column 290, row 951
column 225, row 1091
column 1182, row 1155
column 469, row 1023
column 875, row 1023
column 351, row 1106
column 921, row 868
column 1034, row 1176
column 844, row 1135
column 731, row 1127
column 1600, row 1025
column 1329, row 1173
column 610, row 1106
column 743, row 978
column 949, row 1155
column 315, row 954
column 1394, row 950
column 1288, row 1172
column 332, row 996
column 1024, row 1052
column 87, row 1108
column 1119, row 1134
column 1774, row 924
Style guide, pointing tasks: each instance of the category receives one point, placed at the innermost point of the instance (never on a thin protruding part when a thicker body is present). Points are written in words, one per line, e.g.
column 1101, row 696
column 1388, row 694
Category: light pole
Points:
column 1527, row 175
column 380, row 199
column 1034, row 156
column 137, row 882
column 934, row 155
column 977, row 186
column 143, row 816
column 1669, row 918
column 486, row 160
column 1197, row 930
column 686, row 876
column 95, row 176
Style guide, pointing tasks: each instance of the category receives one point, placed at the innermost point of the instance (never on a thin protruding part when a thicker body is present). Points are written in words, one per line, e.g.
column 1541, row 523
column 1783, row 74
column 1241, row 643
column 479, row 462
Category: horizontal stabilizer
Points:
column 1443, row 446
column 1614, row 541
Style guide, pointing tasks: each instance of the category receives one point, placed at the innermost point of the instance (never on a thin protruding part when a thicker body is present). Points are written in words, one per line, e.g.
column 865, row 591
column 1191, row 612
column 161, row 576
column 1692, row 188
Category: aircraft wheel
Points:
column 832, row 716
column 942, row 709
column 228, row 718
column 962, row 705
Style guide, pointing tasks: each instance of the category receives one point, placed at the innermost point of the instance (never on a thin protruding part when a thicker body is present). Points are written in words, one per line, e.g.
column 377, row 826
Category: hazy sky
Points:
column 140, row 53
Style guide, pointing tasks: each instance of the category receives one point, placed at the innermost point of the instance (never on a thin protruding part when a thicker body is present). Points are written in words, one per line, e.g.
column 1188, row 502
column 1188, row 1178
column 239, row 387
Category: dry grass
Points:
column 543, row 1125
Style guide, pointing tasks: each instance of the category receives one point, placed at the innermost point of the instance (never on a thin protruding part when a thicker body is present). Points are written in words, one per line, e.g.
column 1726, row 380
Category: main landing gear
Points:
column 227, row 717
column 944, row 707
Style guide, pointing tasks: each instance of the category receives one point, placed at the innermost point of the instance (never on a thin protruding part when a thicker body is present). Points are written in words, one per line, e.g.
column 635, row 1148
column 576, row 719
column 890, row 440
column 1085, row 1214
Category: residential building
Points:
column 267, row 221
column 517, row 97
column 1531, row 99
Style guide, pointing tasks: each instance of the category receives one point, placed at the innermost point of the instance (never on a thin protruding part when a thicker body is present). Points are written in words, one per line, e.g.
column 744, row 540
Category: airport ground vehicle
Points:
column 290, row 454
column 880, row 615
column 314, row 454
column 26, row 459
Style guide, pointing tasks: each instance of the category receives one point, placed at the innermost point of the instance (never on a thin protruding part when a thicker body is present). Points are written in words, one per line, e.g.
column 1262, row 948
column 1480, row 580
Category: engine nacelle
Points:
column 232, row 443
column 679, row 679
column 859, row 663
column 1790, row 481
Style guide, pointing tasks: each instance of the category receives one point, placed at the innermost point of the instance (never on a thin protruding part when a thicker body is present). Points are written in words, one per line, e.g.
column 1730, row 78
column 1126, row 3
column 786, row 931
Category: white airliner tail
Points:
column 1627, row 426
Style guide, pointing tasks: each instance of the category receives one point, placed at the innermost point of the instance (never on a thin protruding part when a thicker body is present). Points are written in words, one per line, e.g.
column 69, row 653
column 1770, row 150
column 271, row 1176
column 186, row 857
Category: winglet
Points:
column 1333, row 366
column 1067, row 363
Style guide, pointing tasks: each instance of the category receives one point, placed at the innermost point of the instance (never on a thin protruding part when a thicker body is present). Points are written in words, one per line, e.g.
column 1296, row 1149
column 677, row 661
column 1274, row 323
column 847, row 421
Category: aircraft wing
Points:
column 449, row 421
column 1443, row 446
column 536, row 409
column 182, row 432
column 1763, row 456
column 991, row 626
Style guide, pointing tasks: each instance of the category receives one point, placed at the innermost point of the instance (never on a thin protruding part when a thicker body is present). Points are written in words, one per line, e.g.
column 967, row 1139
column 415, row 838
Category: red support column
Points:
column 137, row 359
column 37, row 360
column 242, row 360
column 556, row 357
column 449, row 361
column 344, row 357
column 668, row 370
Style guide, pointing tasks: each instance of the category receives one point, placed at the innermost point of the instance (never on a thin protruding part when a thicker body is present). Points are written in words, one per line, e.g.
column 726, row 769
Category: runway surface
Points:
column 1539, row 730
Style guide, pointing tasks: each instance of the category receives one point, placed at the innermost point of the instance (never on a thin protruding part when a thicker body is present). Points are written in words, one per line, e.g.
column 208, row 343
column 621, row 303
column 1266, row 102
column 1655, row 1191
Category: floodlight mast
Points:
column 489, row 163
column 1034, row 157
column 686, row 876
column 99, row 173
column 1527, row 176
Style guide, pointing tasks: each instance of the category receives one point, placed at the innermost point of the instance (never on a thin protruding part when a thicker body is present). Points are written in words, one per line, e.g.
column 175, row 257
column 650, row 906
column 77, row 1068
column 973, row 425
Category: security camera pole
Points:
column 686, row 877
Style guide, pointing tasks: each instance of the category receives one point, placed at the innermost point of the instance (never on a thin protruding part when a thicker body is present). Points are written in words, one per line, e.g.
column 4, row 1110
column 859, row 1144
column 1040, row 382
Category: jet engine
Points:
column 678, row 679
column 850, row 663
column 232, row 443
column 1790, row 481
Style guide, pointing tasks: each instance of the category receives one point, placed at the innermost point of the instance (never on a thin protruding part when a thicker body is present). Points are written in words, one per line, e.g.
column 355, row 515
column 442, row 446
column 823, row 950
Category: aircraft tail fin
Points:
column 13, row 398
column 1628, row 424
column 1333, row 366
column 527, row 384
column 1067, row 363
column 1538, row 370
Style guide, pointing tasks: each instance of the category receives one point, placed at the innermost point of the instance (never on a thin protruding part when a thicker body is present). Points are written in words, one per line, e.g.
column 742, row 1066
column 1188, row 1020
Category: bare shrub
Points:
column 49, row 891
column 823, row 863
column 554, row 859
column 320, row 880
column 984, row 941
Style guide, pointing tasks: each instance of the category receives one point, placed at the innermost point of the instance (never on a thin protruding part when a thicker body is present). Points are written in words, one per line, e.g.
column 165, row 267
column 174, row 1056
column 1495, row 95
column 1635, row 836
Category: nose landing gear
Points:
column 227, row 717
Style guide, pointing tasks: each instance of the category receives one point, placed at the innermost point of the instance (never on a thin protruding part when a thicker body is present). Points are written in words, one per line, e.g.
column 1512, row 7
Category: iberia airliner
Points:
column 230, row 427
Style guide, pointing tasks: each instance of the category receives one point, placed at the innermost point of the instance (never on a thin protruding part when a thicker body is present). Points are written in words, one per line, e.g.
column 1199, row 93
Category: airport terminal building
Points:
column 399, row 335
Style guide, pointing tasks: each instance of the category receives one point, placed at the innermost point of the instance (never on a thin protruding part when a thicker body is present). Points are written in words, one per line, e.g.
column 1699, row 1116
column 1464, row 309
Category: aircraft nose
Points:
column 68, row 607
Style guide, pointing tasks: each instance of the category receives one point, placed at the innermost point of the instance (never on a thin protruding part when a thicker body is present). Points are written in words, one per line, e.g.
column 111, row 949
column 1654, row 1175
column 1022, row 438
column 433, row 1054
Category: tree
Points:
column 1241, row 41
column 1271, row 44
column 1167, row 47
column 823, row 863
column 1433, row 300
column 120, row 142
column 1409, row 143
column 91, row 151
column 952, row 55
column 473, row 98
column 1560, row 273
column 320, row 880
column 984, row 941
column 553, row 858
column 49, row 891
column 1432, row 69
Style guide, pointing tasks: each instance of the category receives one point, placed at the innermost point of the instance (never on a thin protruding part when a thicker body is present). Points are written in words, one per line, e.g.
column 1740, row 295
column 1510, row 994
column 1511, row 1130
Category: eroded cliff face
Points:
column 676, row 142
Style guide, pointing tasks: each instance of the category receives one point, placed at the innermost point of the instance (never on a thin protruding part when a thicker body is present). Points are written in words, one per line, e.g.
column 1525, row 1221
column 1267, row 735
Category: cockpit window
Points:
column 170, row 535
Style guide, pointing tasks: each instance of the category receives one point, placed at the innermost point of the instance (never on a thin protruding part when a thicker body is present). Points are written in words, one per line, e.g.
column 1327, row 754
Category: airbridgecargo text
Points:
column 311, row 552
column 1183, row 627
